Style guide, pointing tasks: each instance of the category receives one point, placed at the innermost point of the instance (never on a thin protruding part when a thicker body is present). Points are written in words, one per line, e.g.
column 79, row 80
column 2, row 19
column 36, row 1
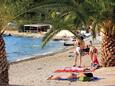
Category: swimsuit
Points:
column 71, row 79
column 79, row 51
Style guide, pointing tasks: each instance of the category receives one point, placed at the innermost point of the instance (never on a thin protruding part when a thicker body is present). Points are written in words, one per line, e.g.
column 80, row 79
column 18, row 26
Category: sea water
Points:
column 23, row 47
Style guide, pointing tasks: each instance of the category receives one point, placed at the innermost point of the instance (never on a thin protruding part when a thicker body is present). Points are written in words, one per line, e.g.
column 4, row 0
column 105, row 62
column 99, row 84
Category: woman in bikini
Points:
column 69, row 76
column 94, row 56
column 80, row 44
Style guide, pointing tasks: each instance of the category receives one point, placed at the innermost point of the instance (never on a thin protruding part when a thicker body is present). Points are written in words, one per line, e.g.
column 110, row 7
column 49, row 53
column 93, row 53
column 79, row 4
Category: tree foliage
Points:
column 12, row 9
column 84, row 11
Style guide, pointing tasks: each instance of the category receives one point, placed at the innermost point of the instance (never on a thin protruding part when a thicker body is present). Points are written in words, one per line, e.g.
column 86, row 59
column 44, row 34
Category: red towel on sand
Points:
column 70, row 69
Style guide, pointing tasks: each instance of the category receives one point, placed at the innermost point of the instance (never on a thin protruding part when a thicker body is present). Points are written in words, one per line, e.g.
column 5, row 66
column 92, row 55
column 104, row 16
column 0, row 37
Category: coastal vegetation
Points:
column 72, row 14
column 99, row 14
column 10, row 10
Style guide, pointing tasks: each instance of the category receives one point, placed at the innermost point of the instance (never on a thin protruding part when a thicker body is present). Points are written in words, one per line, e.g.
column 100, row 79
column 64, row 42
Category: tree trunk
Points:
column 4, row 66
column 108, row 51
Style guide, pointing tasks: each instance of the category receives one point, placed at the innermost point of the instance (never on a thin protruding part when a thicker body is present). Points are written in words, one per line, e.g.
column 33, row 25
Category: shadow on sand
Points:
column 96, row 79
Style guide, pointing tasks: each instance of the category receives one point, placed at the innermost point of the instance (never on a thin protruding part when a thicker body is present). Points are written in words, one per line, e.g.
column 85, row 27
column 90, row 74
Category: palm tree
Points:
column 70, row 18
column 102, row 14
column 3, row 64
column 9, row 11
column 104, row 20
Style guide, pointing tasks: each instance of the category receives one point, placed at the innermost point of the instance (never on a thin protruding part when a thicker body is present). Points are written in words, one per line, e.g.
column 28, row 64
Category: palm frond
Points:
column 48, row 37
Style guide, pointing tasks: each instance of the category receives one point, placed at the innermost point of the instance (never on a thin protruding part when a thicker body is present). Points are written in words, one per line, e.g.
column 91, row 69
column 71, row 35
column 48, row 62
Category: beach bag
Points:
column 85, row 78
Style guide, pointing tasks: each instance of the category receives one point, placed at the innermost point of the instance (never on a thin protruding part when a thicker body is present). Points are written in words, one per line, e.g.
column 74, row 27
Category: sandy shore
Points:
column 34, row 72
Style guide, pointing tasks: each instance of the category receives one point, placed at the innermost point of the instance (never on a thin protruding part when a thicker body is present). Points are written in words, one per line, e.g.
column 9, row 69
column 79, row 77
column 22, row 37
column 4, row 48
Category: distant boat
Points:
column 69, row 43
column 7, row 35
column 56, row 39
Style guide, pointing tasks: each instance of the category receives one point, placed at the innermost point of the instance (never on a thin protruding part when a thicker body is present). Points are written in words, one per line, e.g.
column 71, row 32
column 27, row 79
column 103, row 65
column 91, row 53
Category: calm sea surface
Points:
column 23, row 47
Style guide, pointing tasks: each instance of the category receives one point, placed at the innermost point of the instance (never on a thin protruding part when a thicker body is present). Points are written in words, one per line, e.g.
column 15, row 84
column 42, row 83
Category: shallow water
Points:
column 21, row 47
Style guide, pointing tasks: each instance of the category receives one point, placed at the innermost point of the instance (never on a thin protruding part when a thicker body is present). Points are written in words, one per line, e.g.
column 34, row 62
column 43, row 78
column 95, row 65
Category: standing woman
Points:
column 79, row 44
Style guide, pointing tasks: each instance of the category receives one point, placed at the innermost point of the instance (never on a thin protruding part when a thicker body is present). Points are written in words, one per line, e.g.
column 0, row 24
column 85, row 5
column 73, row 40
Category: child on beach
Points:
column 93, row 55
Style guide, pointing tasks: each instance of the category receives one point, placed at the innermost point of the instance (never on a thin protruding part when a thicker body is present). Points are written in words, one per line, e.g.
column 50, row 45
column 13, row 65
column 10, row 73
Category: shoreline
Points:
column 32, row 57
column 22, row 34
column 40, row 56
column 34, row 72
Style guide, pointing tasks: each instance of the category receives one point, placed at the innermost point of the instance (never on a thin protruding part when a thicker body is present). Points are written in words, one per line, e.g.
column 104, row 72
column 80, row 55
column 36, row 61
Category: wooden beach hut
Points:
column 35, row 28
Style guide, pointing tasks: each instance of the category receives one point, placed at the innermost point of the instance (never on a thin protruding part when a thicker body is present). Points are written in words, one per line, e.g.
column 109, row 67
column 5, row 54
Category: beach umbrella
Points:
column 65, row 33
